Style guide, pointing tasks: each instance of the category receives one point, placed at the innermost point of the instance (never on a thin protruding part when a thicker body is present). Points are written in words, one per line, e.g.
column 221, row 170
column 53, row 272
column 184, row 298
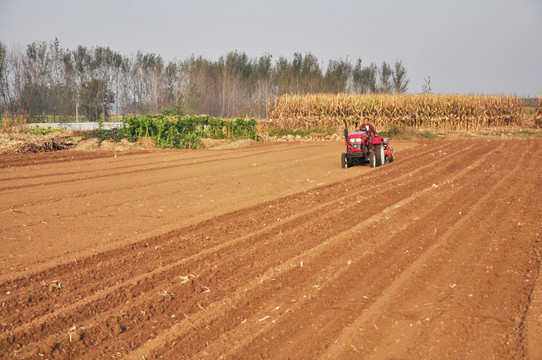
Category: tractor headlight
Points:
column 355, row 140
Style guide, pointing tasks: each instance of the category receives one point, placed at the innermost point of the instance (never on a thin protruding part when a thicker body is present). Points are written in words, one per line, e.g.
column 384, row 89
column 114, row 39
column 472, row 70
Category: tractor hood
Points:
column 357, row 134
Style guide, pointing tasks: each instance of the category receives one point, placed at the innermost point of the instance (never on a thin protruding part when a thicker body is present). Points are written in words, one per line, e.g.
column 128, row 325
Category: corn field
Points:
column 426, row 111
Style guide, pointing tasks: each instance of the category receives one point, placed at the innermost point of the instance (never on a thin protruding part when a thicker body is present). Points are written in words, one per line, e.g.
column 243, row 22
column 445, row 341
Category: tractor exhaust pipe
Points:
column 345, row 131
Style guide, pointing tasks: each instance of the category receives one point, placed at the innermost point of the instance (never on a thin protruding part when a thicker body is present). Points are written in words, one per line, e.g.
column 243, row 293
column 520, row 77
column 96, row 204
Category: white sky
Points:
column 465, row 46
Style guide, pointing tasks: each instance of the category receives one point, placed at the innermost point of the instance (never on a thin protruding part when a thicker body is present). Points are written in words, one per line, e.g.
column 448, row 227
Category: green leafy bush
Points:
column 179, row 132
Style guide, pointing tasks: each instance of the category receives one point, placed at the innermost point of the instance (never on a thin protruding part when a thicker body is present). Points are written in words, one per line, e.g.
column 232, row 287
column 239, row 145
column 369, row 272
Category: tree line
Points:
column 49, row 82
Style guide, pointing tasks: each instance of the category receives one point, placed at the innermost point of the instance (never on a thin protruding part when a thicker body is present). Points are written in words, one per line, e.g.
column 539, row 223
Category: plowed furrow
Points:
column 464, row 279
column 282, row 208
column 433, row 256
column 86, row 272
column 349, row 270
column 132, row 170
column 141, row 186
column 65, row 156
column 147, row 160
column 98, row 209
column 270, row 275
column 173, row 183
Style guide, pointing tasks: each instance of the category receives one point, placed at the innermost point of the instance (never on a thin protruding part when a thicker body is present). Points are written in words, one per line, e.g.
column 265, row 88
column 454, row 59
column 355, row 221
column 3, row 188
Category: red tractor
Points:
column 363, row 149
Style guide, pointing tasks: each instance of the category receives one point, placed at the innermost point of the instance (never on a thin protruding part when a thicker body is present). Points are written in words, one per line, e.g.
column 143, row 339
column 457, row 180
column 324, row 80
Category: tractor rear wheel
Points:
column 380, row 158
column 372, row 159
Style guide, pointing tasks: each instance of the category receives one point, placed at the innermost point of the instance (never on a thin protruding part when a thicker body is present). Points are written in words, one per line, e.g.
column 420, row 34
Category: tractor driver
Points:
column 369, row 128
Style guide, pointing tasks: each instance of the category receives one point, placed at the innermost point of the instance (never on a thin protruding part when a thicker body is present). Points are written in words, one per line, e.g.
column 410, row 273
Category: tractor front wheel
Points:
column 344, row 162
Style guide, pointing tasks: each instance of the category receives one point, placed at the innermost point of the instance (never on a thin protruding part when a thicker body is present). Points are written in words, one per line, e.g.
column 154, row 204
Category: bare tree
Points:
column 47, row 80
column 5, row 72
column 400, row 82
column 385, row 78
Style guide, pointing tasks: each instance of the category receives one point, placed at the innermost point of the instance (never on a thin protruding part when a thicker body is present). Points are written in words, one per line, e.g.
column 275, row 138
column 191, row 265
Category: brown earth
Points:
column 273, row 251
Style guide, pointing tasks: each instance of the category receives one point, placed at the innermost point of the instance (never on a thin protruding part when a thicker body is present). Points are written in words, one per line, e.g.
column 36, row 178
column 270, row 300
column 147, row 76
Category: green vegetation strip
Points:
column 179, row 132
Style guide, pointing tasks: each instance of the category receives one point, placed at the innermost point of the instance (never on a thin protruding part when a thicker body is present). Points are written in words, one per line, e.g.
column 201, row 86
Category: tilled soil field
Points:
column 273, row 252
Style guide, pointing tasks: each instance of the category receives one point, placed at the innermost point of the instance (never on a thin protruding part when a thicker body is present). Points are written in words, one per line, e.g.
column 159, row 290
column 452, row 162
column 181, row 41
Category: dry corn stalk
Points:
column 428, row 111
